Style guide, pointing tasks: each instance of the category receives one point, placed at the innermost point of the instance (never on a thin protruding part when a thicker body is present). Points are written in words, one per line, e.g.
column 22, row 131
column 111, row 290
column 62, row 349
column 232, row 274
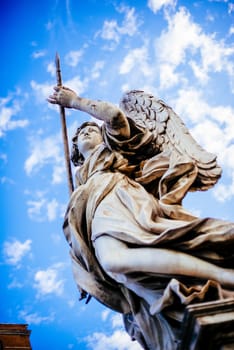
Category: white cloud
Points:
column 71, row 303
column 230, row 8
column 41, row 208
column 33, row 43
column 52, row 208
column 191, row 105
column 48, row 281
column 77, row 84
column 184, row 37
column 168, row 76
column 224, row 192
column 113, row 31
column 3, row 157
column 35, row 318
column 10, row 107
column 231, row 30
column 56, row 238
column 210, row 123
column 58, row 173
column 181, row 34
column 38, row 54
column 72, row 58
column 42, row 91
column 116, row 321
column 216, row 120
column 51, row 69
column 210, row 17
column 6, row 180
column 129, row 25
column 105, row 314
column 35, row 209
column 96, row 70
column 156, row 5
column 15, row 284
column 44, row 151
column 136, row 59
column 110, row 31
column 118, row 340
column 199, row 73
column 206, row 132
column 16, row 250
column 215, row 56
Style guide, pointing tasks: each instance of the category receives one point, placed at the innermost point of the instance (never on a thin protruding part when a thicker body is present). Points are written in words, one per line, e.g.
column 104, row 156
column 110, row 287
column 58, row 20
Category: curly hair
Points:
column 76, row 157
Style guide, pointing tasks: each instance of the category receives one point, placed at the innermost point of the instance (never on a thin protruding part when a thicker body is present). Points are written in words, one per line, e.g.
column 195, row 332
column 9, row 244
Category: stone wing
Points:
column 171, row 134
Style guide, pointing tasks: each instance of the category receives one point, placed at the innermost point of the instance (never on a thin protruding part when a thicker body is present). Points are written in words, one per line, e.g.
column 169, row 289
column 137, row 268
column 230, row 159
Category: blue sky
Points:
column 181, row 51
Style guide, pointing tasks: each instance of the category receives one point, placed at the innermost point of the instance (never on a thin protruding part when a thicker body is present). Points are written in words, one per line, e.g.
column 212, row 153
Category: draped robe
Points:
column 142, row 206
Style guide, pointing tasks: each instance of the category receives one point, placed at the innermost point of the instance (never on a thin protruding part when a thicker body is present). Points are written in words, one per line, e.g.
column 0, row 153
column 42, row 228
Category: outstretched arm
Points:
column 115, row 120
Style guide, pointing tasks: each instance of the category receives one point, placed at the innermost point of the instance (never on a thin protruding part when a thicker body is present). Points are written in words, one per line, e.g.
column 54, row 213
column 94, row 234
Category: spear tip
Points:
column 58, row 71
column 57, row 56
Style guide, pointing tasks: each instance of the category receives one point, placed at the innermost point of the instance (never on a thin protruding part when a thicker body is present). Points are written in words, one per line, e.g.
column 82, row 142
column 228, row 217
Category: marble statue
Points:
column 133, row 245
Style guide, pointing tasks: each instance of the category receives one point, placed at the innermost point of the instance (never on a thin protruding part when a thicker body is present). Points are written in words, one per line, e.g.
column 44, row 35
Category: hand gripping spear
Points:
column 64, row 129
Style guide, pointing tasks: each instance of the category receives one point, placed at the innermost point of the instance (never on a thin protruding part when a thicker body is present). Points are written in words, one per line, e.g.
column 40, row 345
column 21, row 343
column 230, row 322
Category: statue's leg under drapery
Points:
column 156, row 297
column 117, row 258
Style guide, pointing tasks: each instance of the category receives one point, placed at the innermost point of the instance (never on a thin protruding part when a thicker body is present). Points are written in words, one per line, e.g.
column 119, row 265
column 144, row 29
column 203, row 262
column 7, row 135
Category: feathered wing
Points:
column 171, row 134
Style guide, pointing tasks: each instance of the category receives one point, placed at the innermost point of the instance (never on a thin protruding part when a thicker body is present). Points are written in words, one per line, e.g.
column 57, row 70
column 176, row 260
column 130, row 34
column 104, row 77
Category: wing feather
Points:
column 171, row 134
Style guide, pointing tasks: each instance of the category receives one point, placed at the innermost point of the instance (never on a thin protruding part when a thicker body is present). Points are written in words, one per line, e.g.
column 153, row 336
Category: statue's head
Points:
column 76, row 155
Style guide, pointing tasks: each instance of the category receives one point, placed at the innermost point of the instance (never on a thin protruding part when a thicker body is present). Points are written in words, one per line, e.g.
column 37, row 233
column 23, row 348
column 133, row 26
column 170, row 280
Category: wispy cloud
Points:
column 218, row 123
column 73, row 57
column 117, row 339
column 41, row 208
column 230, row 7
column 6, row 180
column 156, row 5
column 51, row 69
column 14, row 251
column 48, row 281
column 130, row 22
column 45, row 151
column 77, row 84
column 193, row 108
column 42, row 91
column 10, row 108
column 231, row 30
column 15, row 284
column 97, row 68
column 137, row 69
column 52, row 207
column 182, row 37
column 113, row 31
column 224, row 192
column 137, row 60
column 39, row 54
column 35, row 318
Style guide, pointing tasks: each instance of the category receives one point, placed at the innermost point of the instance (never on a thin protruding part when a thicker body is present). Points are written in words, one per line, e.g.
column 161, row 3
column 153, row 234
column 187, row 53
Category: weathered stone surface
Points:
column 209, row 326
column 134, row 247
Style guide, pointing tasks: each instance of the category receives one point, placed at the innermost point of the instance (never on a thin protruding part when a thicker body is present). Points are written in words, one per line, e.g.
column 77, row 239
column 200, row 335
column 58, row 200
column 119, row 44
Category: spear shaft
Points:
column 64, row 129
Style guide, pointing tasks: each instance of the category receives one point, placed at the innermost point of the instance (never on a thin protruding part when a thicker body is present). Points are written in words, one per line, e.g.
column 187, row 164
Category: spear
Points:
column 64, row 129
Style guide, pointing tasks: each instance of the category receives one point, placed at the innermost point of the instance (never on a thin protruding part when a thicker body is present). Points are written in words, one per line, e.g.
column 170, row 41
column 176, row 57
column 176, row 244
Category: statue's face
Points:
column 89, row 137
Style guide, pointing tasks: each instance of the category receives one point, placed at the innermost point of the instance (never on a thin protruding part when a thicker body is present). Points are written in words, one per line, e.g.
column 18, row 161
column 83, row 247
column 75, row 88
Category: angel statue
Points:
column 133, row 245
